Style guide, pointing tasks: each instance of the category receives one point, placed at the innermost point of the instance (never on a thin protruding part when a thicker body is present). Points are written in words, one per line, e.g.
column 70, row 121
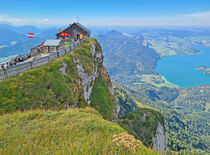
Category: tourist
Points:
column 10, row 63
column 6, row 65
column 15, row 61
column 19, row 59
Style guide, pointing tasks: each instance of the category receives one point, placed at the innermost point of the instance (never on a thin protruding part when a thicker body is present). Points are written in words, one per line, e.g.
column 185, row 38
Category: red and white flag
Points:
column 43, row 44
column 31, row 35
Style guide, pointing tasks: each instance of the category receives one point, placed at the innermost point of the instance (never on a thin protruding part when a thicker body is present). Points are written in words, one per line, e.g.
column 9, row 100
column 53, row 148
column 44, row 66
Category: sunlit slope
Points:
column 74, row 131
column 46, row 88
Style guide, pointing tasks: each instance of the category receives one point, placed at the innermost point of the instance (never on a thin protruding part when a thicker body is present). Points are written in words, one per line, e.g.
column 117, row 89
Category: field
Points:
column 171, row 45
column 155, row 80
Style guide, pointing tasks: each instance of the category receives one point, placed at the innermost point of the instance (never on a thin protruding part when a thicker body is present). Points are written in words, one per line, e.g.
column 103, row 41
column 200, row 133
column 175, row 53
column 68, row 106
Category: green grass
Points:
column 45, row 87
column 41, row 88
column 155, row 80
column 102, row 100
column 68, row 44
column 75, row 131
column 83, row 53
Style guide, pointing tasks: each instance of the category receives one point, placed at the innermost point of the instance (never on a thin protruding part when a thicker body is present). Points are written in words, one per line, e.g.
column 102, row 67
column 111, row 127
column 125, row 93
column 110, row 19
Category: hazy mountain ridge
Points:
column 127, row 54
column 19, row 35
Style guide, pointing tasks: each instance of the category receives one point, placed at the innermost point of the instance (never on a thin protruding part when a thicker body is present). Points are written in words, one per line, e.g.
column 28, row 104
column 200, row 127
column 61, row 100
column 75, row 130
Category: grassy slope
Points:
column 74, row 131
column 41, row 88
column 46, row 88
column 101, row 99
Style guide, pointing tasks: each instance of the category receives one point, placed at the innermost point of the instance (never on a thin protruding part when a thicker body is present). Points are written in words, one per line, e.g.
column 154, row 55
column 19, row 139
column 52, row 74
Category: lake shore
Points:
column 184, row 70
column 168, row 81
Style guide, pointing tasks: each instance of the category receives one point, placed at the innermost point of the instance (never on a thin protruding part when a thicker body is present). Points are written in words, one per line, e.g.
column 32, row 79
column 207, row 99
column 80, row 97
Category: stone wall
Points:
column 37, row 62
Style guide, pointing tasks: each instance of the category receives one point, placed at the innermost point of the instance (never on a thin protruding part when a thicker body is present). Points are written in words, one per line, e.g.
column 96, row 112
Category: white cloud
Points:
column 200, row 15
column 44, row 21
column 24, row 21
column 4, row 18
column 202, row 18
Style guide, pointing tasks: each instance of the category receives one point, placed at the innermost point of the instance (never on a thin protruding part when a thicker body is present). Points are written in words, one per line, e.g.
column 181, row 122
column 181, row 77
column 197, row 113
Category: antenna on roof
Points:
column 78, row 17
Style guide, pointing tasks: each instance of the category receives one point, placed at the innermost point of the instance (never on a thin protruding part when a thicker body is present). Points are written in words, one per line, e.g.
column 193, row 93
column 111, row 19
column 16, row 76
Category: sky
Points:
column 106, row 12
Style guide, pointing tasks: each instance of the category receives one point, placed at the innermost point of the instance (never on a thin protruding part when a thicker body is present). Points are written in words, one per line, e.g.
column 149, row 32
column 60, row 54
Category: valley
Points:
column 132, row 65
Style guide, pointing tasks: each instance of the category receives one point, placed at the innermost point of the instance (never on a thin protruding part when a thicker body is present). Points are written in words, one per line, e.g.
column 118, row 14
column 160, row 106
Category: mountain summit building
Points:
column 76, row 31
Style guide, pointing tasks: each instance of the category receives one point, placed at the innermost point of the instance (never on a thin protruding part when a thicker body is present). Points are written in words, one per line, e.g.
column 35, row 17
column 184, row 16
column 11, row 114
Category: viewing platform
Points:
column 34, row 62
column 66, row 41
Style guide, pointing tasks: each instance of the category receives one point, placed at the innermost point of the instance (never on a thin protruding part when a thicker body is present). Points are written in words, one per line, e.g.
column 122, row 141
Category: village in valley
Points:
column 66, row 40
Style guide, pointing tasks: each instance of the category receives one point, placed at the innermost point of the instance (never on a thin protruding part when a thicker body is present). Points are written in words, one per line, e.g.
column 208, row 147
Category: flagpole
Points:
column 29, row 44
column 30, row 35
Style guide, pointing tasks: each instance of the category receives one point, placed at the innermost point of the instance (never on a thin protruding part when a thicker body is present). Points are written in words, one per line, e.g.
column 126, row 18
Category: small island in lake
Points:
column 204, row 68
column 194, row 51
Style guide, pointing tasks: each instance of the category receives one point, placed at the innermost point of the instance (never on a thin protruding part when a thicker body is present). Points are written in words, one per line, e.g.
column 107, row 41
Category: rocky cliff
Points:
column 160, row 139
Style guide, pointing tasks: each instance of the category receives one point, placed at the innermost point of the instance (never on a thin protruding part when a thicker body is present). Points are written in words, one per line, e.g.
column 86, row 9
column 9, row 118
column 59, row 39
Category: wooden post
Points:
column 31, row 64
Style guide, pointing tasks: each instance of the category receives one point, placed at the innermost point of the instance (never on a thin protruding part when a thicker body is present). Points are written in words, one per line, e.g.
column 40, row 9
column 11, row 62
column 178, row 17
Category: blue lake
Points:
column 181, row 69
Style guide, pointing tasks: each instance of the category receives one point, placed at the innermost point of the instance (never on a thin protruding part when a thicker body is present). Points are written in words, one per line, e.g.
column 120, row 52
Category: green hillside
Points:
column 142, row 123
column 74, row 131
column 46, row 88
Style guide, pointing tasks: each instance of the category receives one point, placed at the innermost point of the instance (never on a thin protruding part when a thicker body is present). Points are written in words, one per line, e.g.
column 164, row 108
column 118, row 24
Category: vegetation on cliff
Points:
column 42, row 88
column 101, row 99
column 142, row 123
column 46, row 88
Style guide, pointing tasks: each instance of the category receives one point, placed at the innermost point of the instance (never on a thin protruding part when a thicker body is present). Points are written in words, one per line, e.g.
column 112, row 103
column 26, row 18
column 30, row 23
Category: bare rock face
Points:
column 63, row 70
column 160, row 139
column 86, row 80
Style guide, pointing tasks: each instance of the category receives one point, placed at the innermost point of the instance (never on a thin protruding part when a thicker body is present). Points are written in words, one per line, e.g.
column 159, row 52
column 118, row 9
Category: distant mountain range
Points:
column 14, row 39
column 127, row 55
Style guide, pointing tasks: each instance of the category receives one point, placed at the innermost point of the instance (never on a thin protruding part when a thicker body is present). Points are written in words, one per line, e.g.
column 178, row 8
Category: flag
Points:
column 31, row 35
column 43, row 44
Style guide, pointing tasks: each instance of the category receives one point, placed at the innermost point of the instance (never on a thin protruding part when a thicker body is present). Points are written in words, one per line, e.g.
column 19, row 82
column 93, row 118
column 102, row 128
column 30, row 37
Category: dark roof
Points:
column 78, row 24
column 83, row 27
